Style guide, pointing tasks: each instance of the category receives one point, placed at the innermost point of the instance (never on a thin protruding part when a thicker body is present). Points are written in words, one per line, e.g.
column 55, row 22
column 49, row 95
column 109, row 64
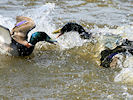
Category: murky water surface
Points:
column 69, row 70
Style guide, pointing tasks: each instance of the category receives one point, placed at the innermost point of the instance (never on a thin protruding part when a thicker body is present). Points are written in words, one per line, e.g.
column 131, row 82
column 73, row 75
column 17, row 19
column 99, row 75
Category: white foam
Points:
column 42, row 18
column 2, row 40
column 126, row 74
column 70, row 40
column 125, row 32
column 6, row 21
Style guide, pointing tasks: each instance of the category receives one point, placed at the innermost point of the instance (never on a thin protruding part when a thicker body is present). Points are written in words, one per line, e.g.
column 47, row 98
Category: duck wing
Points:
column 5, row 36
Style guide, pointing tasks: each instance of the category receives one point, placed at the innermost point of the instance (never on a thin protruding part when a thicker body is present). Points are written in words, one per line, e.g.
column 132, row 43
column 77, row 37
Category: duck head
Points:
column 40, row 36
column 73, row 27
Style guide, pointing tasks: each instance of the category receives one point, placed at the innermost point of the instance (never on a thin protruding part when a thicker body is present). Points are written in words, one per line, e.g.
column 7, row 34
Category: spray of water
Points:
column 106, row 37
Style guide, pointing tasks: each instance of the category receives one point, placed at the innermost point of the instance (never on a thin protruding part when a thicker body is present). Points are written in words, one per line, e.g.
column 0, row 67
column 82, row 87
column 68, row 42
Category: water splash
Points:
column 70, row 40
column 125, row 32
column 106, row 38
column 110, row 38
column 6, row 21
column 126, row 65
column 42, row 18
column 126, row 73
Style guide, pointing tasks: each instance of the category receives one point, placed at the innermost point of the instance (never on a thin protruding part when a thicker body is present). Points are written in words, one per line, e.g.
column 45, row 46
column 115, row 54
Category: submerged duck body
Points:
column 108, row 58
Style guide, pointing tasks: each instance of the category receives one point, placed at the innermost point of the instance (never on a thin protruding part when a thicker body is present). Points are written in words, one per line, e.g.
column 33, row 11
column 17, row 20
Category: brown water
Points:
column 70, row 70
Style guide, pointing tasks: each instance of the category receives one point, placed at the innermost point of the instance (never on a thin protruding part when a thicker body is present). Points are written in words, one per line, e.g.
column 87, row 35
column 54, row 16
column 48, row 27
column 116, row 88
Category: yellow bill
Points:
column 57, row 31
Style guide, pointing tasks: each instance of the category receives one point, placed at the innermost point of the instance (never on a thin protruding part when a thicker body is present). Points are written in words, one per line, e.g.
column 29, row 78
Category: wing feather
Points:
column 5, row 36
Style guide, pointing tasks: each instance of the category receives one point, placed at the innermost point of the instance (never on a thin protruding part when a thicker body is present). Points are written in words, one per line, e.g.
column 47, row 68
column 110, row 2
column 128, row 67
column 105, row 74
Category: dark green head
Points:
column 40, row 36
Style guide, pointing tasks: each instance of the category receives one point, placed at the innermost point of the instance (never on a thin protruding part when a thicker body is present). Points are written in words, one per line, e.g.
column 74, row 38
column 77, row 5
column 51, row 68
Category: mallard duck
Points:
column 8, row 44
column 73, row 27
column 107, row 55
